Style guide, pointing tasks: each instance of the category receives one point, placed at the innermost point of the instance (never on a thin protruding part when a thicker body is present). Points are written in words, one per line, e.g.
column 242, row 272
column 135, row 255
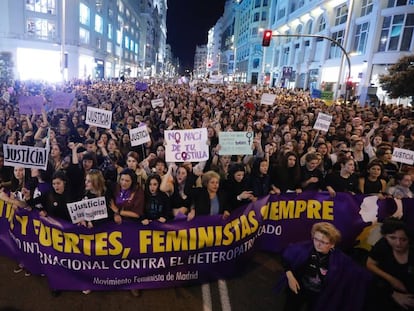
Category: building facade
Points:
column 320, row 44
column 200, row 62
column 59, row 40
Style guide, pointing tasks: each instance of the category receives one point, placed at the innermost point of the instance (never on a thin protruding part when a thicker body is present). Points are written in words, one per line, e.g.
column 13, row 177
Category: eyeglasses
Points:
column 321, row 242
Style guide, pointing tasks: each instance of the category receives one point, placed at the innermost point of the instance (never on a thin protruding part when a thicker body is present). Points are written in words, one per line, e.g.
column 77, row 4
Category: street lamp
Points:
column 144, row 60
column 63, row 39
column 121, row 50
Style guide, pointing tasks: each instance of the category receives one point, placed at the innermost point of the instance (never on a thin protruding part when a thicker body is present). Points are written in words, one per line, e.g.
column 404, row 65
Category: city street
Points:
column 253, row 290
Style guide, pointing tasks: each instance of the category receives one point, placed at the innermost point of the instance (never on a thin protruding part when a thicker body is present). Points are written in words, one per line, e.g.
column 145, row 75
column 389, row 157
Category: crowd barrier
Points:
column 180, row 252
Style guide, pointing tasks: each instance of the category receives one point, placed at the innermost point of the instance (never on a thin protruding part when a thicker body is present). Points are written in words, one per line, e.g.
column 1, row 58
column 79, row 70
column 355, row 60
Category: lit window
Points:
column 41, row 6
column 322, row 24
column 361, row 36
column 341, row 15
column 83, row 36
column 84, row 14
column 109, row 31
column 98, row 24
column 118, row 37
column 335, row 51
column 396, row 33
column 394, row 3
column 366, row 7
column 41, row 28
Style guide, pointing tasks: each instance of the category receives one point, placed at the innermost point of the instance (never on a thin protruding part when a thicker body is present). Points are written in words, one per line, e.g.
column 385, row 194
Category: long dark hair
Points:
column 130, row 173
column 285, row 172
column 147, row 183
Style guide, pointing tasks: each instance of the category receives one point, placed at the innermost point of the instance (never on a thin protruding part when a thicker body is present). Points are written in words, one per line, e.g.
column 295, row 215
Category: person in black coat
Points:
column 210, row 199
column 58, row 198
column 260, row 178
column 311, row 176
column 157, row 202
column 285, row 177
column 343, row 181
column 237, row 186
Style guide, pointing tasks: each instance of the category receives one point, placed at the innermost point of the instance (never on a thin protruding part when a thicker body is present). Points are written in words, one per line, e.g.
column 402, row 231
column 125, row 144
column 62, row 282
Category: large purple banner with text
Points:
column 180, row 252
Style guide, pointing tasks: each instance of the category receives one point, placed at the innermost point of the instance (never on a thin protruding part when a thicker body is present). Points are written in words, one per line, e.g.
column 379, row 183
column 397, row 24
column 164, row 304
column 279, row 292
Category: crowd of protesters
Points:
column 289, row 155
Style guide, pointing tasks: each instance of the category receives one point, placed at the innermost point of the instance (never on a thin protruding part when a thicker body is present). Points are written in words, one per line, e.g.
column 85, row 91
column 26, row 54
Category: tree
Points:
column 399, row 82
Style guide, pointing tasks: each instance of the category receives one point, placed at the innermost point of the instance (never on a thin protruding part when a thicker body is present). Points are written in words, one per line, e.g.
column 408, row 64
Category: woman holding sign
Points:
column 94, row 188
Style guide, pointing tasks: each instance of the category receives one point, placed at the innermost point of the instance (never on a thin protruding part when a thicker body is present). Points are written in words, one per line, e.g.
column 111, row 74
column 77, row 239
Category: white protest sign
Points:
column 159, row 102
column 205, row 90
column 268, row 99
column 235, row 143
column 139, row 135
column 216, row 79
column 88, row 210
column 322, row 122
column 403, row 155
column 25, row 156
column 6, row 97
column 98, row 117
column 186, row 145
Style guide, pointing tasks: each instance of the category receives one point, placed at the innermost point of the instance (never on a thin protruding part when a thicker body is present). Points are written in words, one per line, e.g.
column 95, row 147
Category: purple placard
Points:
column 180, row 252
column 141, row 86
column 30, row 104
column 62, row 100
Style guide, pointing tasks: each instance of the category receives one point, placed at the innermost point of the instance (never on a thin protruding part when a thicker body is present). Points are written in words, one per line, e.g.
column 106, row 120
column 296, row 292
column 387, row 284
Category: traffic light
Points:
column 267, row 36
column 349, row 85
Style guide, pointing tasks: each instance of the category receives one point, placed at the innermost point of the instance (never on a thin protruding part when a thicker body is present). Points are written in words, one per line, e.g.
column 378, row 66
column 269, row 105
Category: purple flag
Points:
column 141, row 86
column 62, row 100
column 30, row 104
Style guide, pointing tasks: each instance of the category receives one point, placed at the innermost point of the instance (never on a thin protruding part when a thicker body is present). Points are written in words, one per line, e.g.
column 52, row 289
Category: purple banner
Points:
column 62, row 100
column 141, row 86
column 179, row 252
column 30, row 104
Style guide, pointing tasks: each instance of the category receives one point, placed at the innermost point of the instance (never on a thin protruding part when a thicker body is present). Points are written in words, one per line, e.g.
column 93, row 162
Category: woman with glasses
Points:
column 360, row 156
column 319, row 276
column 391, row 260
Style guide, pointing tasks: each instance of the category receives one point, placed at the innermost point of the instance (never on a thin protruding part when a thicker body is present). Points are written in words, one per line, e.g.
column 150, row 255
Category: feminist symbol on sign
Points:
column 249, row 136
column 177, row 137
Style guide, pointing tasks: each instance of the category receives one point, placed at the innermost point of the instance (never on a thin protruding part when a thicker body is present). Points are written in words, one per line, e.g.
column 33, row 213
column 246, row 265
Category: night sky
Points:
column 188, row 22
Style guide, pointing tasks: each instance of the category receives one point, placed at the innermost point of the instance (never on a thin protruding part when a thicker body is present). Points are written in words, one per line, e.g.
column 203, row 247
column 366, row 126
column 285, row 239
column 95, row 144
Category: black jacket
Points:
column 202, row 203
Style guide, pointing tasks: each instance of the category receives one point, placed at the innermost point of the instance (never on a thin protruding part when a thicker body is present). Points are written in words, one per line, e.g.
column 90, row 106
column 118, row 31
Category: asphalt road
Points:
column 252, row 290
